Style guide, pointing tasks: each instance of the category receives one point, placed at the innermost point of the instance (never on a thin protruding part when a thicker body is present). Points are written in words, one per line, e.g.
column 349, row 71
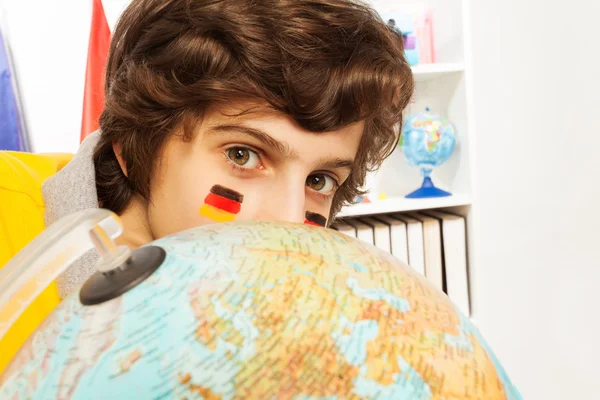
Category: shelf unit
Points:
column 444, row 88
column 426, row 72
column 401, row 204
column 436, row 84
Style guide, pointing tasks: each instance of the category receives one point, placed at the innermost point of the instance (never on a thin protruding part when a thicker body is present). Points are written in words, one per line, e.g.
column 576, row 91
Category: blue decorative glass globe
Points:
column 427, row 141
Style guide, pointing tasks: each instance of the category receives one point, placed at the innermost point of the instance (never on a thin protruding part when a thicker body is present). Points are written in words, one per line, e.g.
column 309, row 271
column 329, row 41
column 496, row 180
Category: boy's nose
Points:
column 284, row 201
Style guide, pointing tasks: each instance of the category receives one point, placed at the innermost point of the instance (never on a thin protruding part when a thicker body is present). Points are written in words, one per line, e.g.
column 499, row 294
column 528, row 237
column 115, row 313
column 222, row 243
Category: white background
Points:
column 49, row 40
column 537, row 100
column 536, row 194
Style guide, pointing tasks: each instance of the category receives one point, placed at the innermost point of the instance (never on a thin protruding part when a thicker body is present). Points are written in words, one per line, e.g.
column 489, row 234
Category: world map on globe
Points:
column 427, row 139
column 262, row 310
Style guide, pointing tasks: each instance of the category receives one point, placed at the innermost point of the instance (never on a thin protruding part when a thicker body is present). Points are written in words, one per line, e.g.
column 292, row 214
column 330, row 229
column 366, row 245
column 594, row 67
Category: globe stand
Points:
column 427, row 189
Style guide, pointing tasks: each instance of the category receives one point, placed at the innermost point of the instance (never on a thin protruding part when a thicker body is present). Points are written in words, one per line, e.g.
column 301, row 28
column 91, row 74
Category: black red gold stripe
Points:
column 222, row 204
column 315, row 219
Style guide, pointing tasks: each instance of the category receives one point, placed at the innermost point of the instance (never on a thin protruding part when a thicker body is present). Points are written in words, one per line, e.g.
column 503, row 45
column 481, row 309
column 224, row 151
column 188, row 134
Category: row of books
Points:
column 434, row 243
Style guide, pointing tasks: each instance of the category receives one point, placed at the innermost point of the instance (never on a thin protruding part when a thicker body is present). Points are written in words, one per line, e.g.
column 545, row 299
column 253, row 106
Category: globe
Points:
column 427, row 141
column 262, row 310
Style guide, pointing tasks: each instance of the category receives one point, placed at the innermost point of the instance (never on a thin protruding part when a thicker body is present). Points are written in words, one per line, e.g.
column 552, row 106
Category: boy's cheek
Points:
column 222, row 204
column 244, row 201
column 258, row 200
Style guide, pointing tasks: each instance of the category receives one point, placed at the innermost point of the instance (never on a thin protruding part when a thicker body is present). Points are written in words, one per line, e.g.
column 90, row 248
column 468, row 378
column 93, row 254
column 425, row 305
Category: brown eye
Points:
column 238, row 155
column 320, row 183
column 243, row 157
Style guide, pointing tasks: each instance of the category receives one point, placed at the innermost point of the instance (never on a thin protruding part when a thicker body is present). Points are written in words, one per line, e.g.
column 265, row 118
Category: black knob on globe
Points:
column 104, row 286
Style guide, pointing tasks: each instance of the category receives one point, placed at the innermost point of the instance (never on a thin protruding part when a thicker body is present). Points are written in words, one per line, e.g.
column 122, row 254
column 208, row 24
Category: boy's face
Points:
column 258, row 166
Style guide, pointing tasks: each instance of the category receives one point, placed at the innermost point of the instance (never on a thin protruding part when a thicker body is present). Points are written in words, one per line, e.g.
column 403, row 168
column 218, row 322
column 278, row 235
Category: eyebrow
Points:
column 282, row 148
column 335, row 163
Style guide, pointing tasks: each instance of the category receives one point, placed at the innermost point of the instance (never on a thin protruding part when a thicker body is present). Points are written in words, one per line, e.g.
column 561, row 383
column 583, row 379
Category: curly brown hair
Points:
column 326, row 63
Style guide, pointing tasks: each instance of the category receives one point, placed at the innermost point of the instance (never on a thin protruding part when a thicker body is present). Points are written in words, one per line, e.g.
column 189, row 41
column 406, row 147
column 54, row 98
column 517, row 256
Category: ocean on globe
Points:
column 262, row 310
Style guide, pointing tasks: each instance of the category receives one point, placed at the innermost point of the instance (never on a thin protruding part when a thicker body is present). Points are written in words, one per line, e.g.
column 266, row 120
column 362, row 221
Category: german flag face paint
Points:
column 315, row 219
column 222, row 204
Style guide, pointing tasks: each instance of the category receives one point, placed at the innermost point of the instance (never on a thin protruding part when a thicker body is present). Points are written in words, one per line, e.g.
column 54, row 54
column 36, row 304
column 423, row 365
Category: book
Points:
column 381, row 233
column 398, row 238
column 414, row 235
column 344, row 228
column 432, row 246
column 363, row 231
column 454, row 243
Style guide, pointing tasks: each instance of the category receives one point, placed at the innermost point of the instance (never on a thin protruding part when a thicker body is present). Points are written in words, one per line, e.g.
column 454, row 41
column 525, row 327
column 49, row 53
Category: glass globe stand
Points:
column 427, row 188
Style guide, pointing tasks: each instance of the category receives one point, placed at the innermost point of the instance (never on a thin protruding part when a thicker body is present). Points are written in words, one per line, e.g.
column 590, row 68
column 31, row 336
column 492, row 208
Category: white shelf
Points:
column 398, row 204
column 424, row 72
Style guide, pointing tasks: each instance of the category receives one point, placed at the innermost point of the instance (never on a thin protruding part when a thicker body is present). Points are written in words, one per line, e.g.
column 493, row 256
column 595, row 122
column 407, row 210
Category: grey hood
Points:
column 73, row 189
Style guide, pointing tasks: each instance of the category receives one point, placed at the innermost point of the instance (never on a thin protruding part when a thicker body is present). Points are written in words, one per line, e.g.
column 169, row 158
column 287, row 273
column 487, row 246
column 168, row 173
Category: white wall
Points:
column 49, row 41
column 537, row 283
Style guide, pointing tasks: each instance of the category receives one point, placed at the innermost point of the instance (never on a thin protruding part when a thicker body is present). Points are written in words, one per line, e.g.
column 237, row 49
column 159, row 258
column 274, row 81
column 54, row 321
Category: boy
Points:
column 221, row 110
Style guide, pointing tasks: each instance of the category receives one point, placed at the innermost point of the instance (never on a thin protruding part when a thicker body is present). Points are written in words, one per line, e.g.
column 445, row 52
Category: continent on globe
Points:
column 130, row 360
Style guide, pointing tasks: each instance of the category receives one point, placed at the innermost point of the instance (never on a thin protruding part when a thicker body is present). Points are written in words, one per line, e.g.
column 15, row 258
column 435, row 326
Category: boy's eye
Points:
column 320, row 183
column 243, row 157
